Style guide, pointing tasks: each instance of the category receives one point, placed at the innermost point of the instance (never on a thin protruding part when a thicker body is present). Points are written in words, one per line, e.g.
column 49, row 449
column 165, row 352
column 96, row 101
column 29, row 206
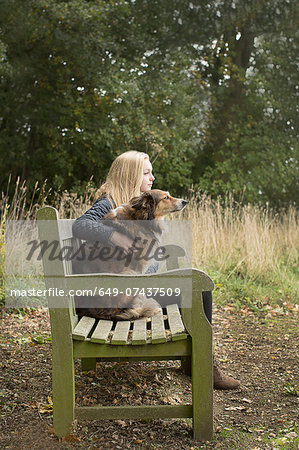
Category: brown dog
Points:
column 140, row 220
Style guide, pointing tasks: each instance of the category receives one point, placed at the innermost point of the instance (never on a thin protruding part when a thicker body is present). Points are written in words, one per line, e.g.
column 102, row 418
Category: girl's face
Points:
column 148, row 176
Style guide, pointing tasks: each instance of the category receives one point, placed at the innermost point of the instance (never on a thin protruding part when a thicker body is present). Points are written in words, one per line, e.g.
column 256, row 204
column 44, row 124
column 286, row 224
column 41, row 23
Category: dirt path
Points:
column 263, row 354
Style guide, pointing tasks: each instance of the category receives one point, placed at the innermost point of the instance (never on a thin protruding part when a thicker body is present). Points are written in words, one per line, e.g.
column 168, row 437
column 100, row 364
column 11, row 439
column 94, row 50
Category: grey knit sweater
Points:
column 89, row 226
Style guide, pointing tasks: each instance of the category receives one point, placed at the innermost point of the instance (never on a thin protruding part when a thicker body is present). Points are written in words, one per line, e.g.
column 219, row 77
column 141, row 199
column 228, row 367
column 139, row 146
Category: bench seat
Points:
column 165, row 326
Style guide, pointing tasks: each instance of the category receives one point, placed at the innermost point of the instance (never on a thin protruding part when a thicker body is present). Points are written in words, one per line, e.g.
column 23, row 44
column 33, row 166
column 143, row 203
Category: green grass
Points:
column 276, row 287
column 229, row 438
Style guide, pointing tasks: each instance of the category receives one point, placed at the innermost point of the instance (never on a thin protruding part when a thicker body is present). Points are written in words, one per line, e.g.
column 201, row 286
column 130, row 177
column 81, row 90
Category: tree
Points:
column 76, row 91
column 248, row 150
column 188, row 82
column 231, row 44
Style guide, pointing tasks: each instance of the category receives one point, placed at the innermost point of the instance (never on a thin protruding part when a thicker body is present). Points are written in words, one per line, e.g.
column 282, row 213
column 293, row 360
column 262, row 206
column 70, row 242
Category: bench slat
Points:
column 121, row 332
column 175, row 323
column 158, row 329
column 139, row 332
column 101, row 332
column 67, row 262
column 133, row 412
column 83, row 328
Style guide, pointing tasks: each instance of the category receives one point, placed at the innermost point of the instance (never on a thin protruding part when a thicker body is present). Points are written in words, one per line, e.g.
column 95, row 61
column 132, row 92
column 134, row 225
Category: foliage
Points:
column 72, row 101
column 258, row 159
column 208, row 89
column 249, row 147
column 291, row 389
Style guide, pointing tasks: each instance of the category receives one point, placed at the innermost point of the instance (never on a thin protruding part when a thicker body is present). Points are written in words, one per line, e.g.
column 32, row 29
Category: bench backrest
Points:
column 57, row 234
column 58, row 271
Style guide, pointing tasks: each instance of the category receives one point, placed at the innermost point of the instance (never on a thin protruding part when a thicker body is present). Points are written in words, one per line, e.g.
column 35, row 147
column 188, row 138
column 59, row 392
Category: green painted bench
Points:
column 174, row 334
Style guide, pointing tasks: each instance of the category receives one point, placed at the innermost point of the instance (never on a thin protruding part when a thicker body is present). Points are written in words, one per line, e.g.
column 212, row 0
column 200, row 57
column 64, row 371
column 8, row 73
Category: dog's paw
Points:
column 136, row 313
column 150, row 312
column 123, row 315
column 145, row 307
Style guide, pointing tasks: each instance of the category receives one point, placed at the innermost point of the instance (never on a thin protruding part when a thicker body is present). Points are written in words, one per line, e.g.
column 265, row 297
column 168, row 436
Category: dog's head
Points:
column 155, row 204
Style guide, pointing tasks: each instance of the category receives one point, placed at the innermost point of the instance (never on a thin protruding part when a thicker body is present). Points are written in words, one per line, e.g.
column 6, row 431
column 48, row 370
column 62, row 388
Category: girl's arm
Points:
column 90, row 227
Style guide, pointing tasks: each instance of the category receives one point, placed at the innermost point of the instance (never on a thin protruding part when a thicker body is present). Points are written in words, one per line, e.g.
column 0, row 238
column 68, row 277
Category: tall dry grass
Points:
column 228, row 239
column 23, row 205
column 246, row 239
column 224, row 232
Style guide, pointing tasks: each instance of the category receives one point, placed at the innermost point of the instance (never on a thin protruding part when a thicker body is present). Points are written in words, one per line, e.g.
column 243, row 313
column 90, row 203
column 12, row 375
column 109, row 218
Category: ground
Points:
column 261, row 351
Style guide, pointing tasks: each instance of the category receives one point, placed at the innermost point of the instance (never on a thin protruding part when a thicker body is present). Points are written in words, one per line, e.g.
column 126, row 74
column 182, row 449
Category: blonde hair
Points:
column 124, row 177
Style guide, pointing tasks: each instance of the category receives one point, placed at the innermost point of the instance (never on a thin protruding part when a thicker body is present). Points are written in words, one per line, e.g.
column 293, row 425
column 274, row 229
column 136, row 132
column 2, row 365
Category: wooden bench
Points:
column 179, row 334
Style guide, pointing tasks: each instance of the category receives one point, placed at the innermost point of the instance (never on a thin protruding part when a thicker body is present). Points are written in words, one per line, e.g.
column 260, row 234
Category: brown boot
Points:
column 222, row 381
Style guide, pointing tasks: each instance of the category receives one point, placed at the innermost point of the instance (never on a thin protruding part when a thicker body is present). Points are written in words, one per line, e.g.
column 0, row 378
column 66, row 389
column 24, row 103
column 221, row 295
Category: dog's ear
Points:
column 136, row 202
column 145, row 204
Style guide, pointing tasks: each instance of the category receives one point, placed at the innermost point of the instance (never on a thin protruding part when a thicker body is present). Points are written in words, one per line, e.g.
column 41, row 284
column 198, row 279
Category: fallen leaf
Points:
column 246, row 400
column 122, row 423
column 235, row 408
column 44, row 408
column 291, row 435
column 72, row 438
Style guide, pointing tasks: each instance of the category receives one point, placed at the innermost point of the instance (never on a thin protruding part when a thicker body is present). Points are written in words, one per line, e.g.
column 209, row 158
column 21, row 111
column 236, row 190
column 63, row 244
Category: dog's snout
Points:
column 181, row 204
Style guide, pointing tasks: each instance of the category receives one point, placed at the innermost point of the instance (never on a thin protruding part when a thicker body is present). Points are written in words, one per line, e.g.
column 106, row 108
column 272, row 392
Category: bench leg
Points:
column 63, row 373
column 202, row 387
column 88, row 364
column 63, row 383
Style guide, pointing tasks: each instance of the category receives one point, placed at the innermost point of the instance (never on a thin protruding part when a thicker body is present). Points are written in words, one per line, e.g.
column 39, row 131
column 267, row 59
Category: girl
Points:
column 129, row 176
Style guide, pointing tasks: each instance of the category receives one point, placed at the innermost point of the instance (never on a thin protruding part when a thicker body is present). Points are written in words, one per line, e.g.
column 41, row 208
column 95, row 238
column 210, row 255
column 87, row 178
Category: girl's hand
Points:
column 121, row 240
